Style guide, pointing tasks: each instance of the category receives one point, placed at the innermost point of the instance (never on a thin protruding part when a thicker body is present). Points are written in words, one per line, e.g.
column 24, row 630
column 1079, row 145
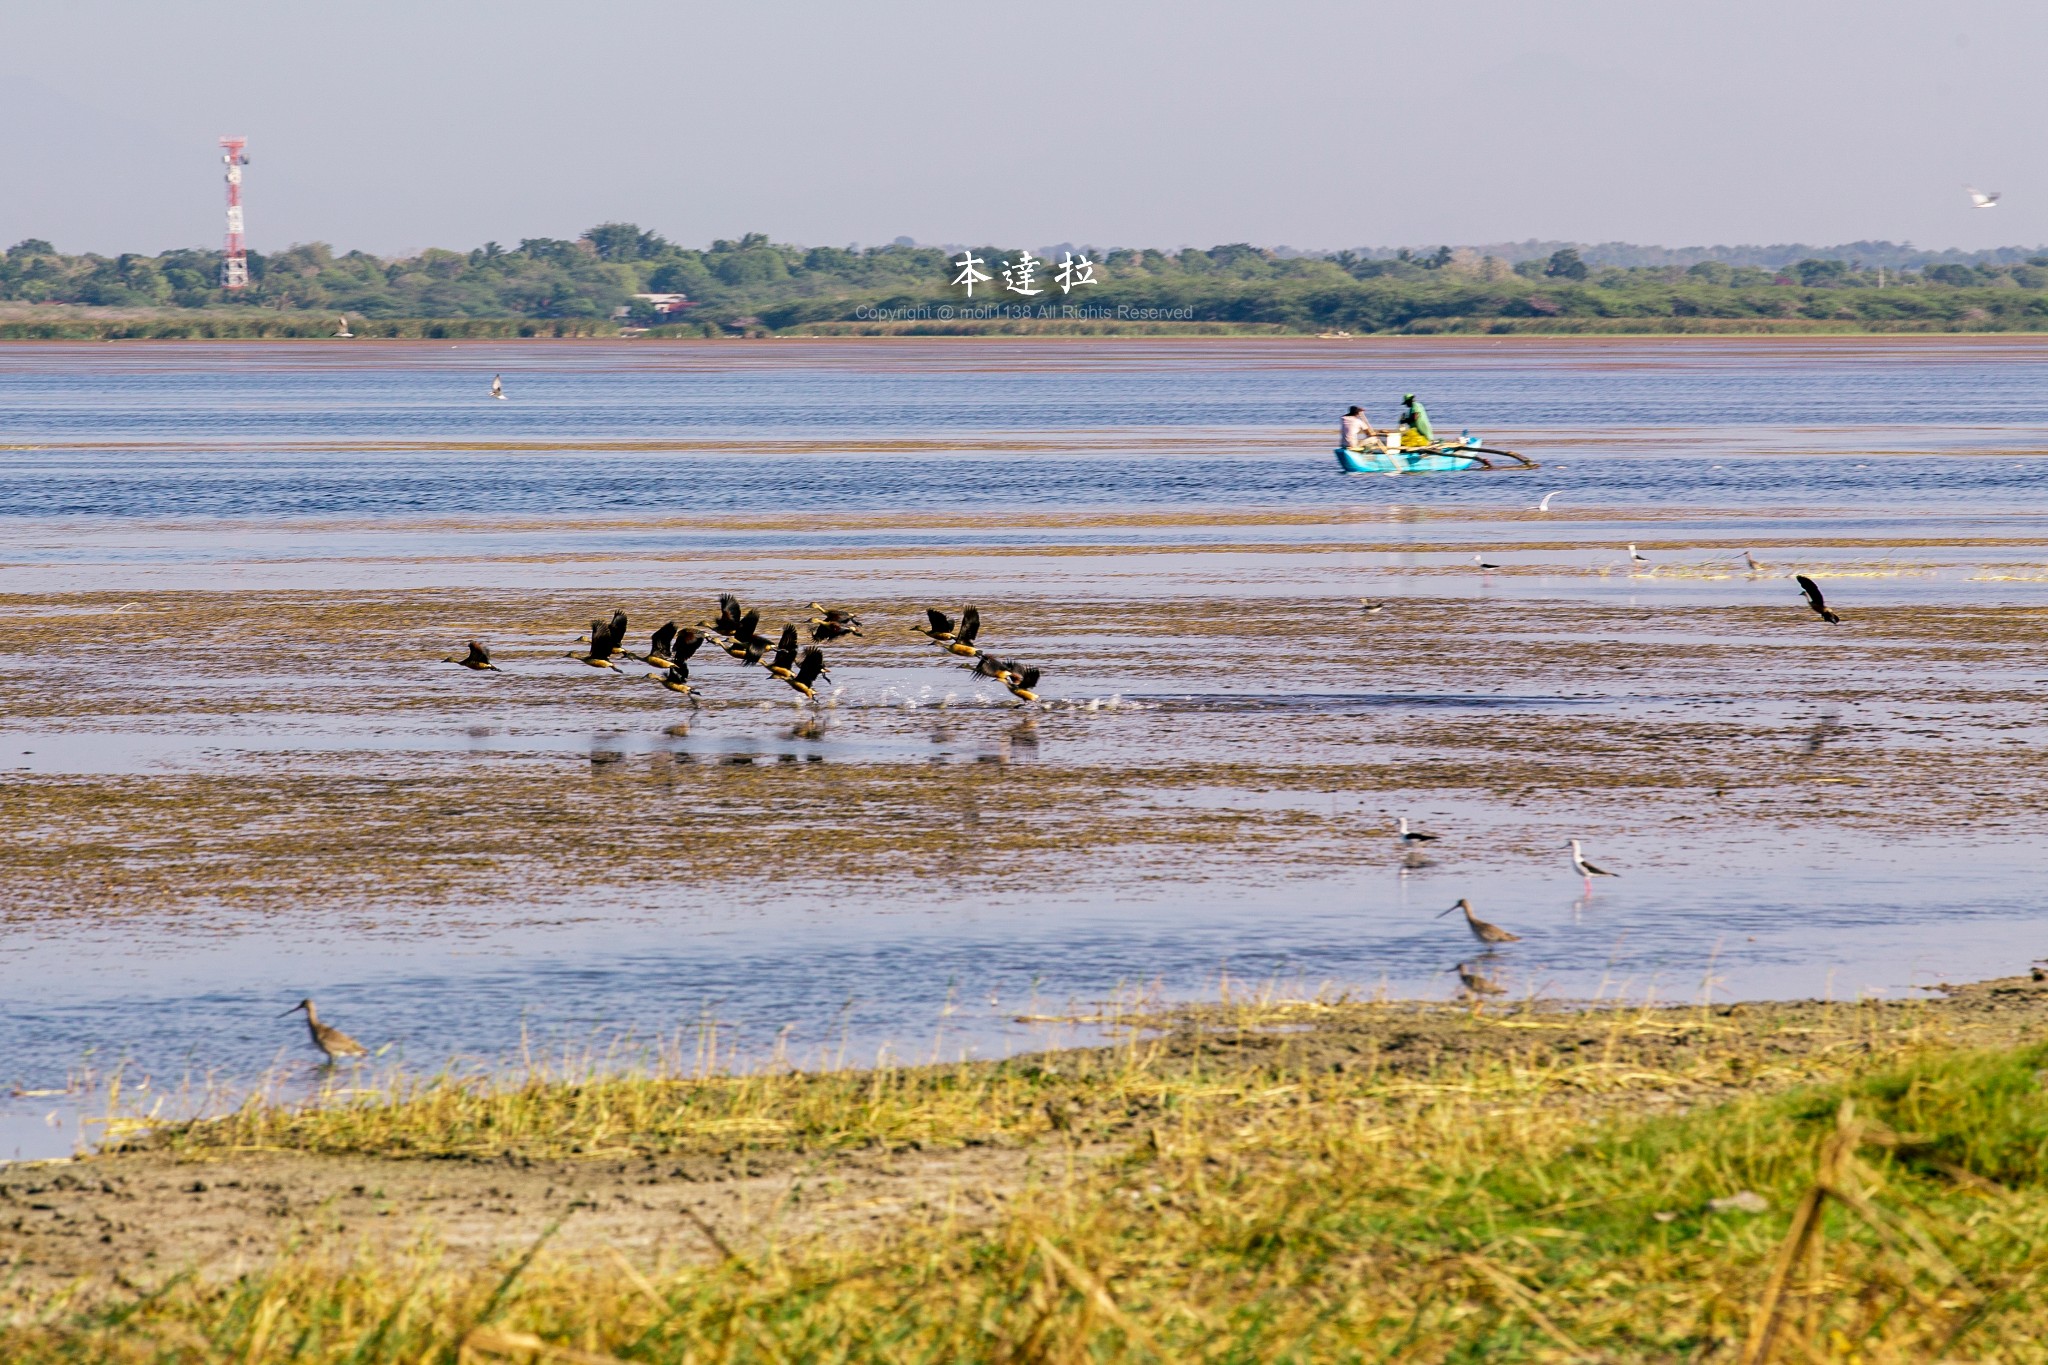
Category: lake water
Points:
column 1183, row 489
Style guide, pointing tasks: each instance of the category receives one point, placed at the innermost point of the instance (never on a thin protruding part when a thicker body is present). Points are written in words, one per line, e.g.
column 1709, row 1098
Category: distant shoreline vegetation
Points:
column 614, row 278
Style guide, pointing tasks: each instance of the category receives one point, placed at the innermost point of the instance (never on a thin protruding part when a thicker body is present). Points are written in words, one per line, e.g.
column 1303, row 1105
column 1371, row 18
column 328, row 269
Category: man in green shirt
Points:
column 1415, row 427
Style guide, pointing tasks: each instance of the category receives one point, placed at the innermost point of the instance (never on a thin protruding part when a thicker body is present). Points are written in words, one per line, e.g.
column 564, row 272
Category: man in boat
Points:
column 1415, row 427
column 1353, row 429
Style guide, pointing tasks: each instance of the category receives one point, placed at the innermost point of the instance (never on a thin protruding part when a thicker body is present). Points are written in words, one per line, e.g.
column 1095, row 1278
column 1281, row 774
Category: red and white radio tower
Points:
column 234, row 267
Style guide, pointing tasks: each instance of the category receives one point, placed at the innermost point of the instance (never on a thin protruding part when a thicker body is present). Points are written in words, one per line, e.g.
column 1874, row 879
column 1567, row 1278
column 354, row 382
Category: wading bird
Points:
column 497, row 386
column 1414, row 836
column 1483, row 564
column 1815, row 600
column 329, row 1039
column 1544, row 505
column 1979, row 199
column 606, row 639
column 1481, row 930
column 1370, row 607
column 1586, row 869
column 1475, row 983
column 1755, row 565
column 478, row 658
column 1634, row 558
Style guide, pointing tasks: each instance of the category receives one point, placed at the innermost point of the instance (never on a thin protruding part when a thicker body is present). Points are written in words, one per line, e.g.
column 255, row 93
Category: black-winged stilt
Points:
column 1586, row 869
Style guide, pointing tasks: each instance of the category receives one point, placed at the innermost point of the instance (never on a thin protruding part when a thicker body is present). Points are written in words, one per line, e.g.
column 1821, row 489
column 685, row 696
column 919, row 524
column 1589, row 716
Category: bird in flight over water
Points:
column 1815, row 600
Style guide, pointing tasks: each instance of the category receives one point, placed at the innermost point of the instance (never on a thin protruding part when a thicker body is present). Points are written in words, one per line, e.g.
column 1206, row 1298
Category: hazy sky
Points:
column 395, row 126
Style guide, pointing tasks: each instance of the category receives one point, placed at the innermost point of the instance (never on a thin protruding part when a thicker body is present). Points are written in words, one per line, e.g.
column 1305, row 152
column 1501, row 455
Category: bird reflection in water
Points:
column 1021, row 741
column 1826, row 729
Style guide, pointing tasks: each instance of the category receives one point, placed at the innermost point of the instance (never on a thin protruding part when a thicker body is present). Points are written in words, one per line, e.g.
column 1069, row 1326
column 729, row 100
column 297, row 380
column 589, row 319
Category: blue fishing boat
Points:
column 1388, row 456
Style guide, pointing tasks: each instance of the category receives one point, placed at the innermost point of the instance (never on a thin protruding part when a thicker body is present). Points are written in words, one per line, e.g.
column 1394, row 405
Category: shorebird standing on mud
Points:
column 1634, row 558
column 1586, row 869
column 329, row 1039
column 1411, row 837
column 1481, row 930
column 1484, row 567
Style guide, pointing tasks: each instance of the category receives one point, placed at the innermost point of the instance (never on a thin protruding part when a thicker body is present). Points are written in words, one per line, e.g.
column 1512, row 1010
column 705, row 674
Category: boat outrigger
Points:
column 1387, row 455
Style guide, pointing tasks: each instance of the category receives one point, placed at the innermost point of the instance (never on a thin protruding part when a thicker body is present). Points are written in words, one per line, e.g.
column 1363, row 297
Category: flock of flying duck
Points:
column 736, row 630
column 785, row 658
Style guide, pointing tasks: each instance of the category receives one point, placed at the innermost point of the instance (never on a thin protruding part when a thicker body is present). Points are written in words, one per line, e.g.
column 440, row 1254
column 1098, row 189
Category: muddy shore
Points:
column 180, row 1202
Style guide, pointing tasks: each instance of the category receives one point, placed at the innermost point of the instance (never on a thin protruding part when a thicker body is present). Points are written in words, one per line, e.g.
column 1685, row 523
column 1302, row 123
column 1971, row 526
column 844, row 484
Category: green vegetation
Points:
column 754, row 286
column 1309, row 1182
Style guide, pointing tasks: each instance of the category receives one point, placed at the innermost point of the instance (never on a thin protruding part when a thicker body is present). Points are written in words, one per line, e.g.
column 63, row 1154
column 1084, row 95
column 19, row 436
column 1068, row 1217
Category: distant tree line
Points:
column 753, row 284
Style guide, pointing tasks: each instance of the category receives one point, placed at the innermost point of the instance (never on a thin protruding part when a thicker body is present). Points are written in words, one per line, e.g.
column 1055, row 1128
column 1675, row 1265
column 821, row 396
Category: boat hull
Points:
column 1427, row 460
column 1422, row 460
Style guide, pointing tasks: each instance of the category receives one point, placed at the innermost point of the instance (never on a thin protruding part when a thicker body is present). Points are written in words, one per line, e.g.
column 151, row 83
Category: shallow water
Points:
column 1911, row 476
